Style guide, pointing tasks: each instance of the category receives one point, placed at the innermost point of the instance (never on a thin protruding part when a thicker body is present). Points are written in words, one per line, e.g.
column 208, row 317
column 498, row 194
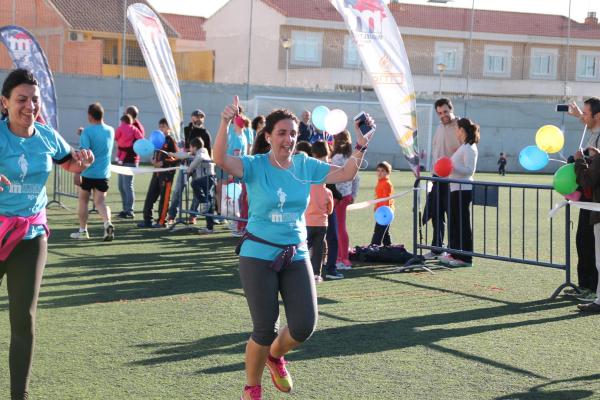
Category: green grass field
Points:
column 158, row 315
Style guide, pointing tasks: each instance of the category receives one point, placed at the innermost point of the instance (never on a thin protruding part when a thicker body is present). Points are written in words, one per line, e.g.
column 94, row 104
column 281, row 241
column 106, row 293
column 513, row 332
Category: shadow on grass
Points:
column 375, row 337
column 573, row 394
column 97, row 272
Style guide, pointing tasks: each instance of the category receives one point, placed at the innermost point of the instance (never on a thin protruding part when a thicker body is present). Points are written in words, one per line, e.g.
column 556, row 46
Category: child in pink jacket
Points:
column 319, row 207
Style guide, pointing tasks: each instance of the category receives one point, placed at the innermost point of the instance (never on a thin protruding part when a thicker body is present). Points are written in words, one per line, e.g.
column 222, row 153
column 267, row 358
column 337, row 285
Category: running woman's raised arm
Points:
column 231, row 164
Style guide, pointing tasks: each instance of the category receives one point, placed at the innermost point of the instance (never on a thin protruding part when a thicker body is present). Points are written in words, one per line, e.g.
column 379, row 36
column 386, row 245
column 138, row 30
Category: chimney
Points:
column 591, row 18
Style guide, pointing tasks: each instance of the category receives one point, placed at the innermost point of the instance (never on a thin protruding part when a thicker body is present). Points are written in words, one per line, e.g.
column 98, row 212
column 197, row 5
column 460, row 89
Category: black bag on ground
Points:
column 395, row 253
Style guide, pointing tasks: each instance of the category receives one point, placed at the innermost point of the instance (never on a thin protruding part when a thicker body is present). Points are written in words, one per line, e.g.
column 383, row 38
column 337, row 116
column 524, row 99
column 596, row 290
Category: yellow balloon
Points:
column 550, row 139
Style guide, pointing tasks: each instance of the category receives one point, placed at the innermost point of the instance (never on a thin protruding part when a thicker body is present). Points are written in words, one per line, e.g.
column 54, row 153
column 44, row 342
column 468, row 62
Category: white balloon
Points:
column 336, row 121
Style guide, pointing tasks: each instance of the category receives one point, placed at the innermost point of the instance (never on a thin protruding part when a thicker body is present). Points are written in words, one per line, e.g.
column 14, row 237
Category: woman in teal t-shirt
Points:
column 273, row 253
column 28, row 149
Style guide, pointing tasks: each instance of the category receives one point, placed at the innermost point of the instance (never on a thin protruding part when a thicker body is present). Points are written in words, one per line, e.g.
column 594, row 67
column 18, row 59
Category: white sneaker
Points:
column 205, row 231
column 109, row 232
column 80, row 235
column 343, row 267
column 431, row 256
column 446, row 259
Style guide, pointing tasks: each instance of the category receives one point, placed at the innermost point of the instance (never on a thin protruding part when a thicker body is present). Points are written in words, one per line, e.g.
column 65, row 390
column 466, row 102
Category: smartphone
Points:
column 562, row 108
column 365, row 128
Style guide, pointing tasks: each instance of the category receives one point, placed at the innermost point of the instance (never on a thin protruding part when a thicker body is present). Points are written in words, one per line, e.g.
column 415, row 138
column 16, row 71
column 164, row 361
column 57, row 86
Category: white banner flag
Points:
column 156, row 50
column 384, row 57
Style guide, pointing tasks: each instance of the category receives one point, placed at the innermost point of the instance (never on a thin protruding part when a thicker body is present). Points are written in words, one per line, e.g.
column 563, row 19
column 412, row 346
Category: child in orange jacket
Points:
column 383, row 189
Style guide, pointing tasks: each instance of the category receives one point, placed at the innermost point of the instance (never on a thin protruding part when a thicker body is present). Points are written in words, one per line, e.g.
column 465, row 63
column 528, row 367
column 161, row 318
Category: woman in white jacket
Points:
column 464, row 161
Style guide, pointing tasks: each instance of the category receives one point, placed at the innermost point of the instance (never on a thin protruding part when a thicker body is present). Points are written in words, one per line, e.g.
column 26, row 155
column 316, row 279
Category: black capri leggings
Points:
column 296, row 284
column 23, row 270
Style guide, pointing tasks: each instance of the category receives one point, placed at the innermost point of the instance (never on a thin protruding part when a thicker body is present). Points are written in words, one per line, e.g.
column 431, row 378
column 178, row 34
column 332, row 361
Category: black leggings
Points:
column 23, row 269
column 262, row 285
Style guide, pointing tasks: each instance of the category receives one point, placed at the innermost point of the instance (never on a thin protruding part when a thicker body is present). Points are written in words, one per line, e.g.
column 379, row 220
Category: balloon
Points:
column 565, row 181
column 336, row 121
column 443, row 167
column 158, row 139
column 143, row 148
column 384, row 215
column 549, row 139
column 575, row 196
column 233, row 190
column 533, row 159
column 318, row 117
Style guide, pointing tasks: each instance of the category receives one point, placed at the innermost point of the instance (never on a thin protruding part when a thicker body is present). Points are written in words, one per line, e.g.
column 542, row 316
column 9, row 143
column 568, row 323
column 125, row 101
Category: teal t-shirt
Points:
column 250, row 135
column 27, row 162
column 277, row 200
column 99, row 139
column 237, row 145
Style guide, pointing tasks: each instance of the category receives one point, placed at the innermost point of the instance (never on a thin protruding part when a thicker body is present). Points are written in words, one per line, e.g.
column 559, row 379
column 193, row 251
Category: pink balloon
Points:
column 575, row 196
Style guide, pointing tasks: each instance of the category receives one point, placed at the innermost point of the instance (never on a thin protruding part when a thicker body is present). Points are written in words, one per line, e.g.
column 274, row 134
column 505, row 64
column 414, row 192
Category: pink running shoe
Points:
column 279, row 374
column 252, row 393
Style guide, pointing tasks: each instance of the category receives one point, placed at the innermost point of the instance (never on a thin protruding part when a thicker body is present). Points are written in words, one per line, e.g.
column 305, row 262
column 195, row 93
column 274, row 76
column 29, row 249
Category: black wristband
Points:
column 360, row 148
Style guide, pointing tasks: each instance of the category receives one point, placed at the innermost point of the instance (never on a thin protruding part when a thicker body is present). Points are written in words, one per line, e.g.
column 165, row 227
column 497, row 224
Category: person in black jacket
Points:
column 196, row 129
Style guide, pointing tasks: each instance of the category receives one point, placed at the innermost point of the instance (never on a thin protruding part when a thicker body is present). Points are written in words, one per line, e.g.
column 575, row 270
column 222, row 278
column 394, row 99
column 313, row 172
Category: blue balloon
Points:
column 233, row 191
column 533, row 159
column 318, row 117
column 143, row 148
column 158, row 139
column 384, row 215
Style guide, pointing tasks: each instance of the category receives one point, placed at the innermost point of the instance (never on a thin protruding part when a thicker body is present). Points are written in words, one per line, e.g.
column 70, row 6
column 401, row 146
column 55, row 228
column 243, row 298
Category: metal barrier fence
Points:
column 64, row 186
column 509, row 223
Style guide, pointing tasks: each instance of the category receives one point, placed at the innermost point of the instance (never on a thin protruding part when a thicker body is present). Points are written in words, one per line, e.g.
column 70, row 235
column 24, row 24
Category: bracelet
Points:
column 362, row 149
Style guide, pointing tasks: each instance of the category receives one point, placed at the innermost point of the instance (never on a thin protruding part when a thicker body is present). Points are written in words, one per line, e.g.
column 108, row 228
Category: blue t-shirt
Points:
column 27, row 162
column 237, row 145
column 250, row 135
column 99, row 138
column 277, row 200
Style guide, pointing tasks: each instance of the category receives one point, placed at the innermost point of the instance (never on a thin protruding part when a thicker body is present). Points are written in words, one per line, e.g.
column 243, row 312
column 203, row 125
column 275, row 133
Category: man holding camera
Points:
column 586, row 264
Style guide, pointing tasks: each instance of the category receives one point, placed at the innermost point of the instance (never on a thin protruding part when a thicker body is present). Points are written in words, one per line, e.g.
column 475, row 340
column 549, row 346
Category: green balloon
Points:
column 565, row 181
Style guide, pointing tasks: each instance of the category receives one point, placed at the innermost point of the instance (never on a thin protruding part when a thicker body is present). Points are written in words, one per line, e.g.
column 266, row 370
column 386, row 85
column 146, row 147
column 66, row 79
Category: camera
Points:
column 562, row 108
column 365, row 128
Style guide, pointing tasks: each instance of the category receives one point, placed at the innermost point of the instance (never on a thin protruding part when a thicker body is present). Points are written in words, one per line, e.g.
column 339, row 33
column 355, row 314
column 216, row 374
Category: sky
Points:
column 579, row 8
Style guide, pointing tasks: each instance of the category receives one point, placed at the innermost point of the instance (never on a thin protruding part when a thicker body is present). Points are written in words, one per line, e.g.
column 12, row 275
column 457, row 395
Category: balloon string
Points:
column 562, row 156
column 560, row 161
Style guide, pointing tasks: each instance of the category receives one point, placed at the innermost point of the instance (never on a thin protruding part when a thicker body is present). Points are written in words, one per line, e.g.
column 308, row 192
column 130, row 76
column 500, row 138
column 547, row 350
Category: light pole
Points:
column 286, row 44
column 441, row 67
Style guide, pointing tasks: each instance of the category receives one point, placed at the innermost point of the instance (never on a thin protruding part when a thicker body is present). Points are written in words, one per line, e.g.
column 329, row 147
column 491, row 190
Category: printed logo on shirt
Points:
column 25, row 188
column 24, row 165
column 282, row 196
column 284, row 218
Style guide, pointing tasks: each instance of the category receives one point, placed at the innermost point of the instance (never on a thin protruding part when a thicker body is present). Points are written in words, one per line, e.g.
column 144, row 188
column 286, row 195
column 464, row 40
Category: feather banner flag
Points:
column 26, row 53
column 383, row 55
column 156, row 50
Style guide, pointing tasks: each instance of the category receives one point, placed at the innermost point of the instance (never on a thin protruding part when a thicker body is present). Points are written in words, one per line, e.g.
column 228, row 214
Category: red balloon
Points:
column 443, row 167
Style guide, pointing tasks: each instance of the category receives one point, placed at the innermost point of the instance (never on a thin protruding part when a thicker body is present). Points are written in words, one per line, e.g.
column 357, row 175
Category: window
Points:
column 543, row 63
column 306, row 48
column 588, row 65
column 497, row 61
column 111, row 48
column 351, row 56
column 134, row 54
column 451, row 55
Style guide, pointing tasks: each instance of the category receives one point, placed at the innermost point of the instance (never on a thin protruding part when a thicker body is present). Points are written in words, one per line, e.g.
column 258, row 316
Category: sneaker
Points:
column 192, row 221
column 170, row 222
column 318, row 279
column 109, row 232
column 252, row 393
column 238, row 233
column 129, row 215
column 80, row 235
column 122, row 215
column 279, row 374
column 343, row 267
column 334, row 276
column 218, row 221
column 432, row 256
column 158, row 225
column 446, row 259
column 587, row 297
column 456, row 263
column 144, row 224
column 589, row 307
column 205, row 231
